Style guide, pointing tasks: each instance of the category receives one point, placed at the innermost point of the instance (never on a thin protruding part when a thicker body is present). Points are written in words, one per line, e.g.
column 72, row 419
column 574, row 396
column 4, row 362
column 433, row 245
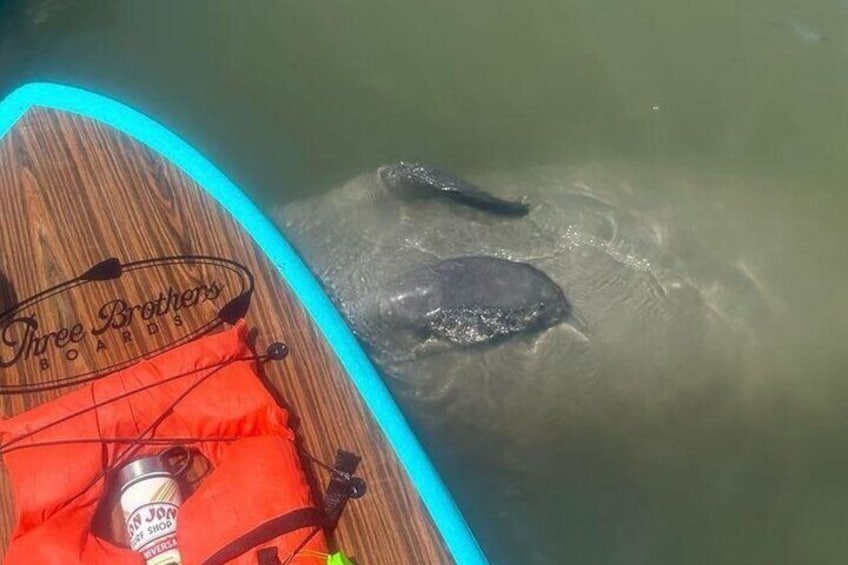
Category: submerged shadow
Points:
column 8, row 296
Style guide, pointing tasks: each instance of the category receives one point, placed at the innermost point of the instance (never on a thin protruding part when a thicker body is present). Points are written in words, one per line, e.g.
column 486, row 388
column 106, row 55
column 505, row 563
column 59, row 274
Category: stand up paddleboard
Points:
column 120, row 242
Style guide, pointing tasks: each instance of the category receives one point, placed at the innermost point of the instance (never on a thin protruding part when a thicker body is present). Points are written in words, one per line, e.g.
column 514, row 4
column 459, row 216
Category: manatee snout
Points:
column 410, row 298
column 391, row 176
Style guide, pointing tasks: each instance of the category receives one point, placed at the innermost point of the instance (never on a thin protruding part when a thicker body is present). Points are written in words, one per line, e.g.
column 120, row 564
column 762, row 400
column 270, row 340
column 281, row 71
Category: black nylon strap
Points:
column 339, row 489
column 294, row 520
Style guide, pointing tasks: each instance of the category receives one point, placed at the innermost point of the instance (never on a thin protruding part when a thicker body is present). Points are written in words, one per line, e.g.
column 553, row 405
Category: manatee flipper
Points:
column 472, row 300
column 419, row 177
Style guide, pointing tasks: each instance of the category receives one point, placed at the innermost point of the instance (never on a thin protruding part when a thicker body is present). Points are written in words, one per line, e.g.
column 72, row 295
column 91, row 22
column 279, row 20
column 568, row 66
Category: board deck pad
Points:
column 77, row 193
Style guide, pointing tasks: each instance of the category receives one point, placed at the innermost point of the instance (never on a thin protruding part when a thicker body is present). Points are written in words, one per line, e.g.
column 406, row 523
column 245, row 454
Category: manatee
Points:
column 551, row 426
column 473, row 300
column 405, row 176
column 448, row 300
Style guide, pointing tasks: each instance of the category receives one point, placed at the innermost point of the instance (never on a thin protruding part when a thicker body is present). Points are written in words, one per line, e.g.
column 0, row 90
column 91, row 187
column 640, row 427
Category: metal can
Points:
column 150, row 499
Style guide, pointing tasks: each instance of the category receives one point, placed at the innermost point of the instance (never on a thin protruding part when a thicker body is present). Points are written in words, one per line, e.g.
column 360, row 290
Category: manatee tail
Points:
column 481, row 199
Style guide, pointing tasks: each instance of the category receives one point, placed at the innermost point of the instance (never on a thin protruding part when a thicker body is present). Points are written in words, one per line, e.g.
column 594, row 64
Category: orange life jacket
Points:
column 255, row 492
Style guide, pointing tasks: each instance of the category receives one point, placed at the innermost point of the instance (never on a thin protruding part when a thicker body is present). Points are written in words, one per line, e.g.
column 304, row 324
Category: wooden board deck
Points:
column 75, row 192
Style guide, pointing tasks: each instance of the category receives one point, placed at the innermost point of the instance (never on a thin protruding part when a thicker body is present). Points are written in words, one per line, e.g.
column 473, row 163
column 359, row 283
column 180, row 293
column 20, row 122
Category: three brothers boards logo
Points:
column 115, row 314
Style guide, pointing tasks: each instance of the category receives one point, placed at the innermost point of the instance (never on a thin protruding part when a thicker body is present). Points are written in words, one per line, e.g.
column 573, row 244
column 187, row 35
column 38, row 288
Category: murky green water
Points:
column 739, row 110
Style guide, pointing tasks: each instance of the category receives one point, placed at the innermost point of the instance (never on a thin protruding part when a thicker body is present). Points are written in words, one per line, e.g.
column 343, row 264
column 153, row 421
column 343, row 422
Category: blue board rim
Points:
column 457, row 536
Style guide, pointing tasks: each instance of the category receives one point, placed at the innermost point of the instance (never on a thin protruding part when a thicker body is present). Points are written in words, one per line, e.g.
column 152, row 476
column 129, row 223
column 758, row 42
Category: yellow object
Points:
column 338, row 558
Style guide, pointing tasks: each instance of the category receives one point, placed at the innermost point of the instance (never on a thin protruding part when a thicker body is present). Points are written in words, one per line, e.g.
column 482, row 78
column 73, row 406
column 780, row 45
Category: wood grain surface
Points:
column 74, row 192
